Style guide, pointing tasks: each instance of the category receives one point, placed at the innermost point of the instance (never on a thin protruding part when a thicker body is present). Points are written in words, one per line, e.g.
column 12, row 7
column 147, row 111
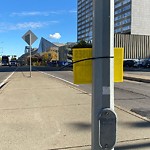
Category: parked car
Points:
column 138, row 63
column 13, row 63
column 128, row 63
column 54, row 63
column 146, row 64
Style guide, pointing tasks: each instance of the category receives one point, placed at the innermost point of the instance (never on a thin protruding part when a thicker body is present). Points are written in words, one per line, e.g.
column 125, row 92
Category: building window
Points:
column 126, row 7
column 126, row 28
column 118, row 30
column 118, row 5
column 126, row 1
column 118, row 11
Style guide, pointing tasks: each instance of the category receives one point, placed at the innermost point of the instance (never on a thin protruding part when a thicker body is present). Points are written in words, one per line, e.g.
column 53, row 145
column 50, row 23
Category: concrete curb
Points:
column 137, row 79
column 2, row 84
column 132, row 113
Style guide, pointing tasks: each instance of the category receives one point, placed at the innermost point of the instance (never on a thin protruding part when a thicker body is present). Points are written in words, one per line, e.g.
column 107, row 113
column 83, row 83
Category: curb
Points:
column 132, row 113
column 2, row 84
column 137, row 79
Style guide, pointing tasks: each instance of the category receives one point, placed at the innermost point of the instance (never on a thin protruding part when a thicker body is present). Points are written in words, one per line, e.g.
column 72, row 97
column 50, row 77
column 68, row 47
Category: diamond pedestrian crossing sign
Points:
column 29, row 37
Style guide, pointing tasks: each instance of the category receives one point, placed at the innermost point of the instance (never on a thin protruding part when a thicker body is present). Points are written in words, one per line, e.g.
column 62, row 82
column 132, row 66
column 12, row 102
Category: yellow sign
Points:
column 82, row 70
column 118, row 64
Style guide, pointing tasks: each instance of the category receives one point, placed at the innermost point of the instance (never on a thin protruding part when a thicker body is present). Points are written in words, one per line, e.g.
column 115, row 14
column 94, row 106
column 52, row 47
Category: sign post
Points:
column 103, row 115
column 29, row 37
column 30, row 53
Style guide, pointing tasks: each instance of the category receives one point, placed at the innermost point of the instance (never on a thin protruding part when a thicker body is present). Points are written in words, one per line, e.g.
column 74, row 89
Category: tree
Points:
column 82, row 44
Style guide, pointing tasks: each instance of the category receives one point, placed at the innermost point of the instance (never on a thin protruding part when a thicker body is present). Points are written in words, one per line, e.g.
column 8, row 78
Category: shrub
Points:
column 82, row 44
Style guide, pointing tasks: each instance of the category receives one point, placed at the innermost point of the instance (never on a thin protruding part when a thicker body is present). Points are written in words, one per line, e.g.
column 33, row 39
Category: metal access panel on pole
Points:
column 103, row 115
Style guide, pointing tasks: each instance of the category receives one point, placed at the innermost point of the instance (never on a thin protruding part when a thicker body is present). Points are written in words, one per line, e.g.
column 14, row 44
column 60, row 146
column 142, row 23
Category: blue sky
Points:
column 43, row 17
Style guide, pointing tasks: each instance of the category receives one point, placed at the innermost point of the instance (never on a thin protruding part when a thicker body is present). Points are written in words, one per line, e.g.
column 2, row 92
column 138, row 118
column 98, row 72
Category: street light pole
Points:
column 103, row 115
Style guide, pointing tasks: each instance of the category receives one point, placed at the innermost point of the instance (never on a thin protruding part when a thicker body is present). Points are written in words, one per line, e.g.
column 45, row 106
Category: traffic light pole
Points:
column 103, row 115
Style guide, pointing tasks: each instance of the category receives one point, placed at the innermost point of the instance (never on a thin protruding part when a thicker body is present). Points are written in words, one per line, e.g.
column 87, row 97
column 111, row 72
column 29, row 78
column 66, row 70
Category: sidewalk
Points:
column 43, row 113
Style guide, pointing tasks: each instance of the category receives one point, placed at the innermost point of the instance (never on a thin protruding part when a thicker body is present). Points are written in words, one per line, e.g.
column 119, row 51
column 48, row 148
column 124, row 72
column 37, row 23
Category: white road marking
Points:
column 1, row 84
column 60, row 79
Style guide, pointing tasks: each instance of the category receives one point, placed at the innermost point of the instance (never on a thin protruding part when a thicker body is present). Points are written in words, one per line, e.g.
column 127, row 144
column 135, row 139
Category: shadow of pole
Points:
column 133, row 146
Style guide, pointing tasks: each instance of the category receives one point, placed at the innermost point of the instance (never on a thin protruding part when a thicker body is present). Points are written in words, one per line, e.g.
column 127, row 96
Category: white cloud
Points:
column 40, row 13
column 34, row 13
column 55, row 36
column 25, row 25
column 73, row 11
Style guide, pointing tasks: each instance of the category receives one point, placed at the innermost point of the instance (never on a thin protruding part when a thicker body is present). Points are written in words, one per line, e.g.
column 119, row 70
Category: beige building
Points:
column 132, row 17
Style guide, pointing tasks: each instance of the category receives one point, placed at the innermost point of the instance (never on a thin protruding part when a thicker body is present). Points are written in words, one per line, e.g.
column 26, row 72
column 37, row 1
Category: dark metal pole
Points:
column 103, row 115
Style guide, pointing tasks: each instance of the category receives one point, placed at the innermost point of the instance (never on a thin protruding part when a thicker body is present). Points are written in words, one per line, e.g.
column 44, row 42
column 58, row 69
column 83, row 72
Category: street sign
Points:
column 26, row 37
column 29, row 37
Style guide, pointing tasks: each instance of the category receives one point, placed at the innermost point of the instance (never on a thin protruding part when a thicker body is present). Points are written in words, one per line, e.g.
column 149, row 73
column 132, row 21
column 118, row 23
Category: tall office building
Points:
column 85, row 13
column 131, row 17
column 122, row 16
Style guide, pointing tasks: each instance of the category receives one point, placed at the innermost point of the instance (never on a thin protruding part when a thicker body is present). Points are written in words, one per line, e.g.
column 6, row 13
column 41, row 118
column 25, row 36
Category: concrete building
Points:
column 132, row 16
column 135, row 46
column 84, row 25
column 65, row 52
column 27, row 49
column 45, row 45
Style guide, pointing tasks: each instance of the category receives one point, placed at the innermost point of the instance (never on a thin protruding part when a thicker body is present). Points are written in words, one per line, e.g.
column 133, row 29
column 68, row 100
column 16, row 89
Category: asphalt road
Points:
column 5, row 71
column 133, row 96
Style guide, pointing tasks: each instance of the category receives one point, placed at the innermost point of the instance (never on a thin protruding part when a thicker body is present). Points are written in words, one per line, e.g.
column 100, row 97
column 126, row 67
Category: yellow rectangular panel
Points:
column 82, row 70
column 118, row 64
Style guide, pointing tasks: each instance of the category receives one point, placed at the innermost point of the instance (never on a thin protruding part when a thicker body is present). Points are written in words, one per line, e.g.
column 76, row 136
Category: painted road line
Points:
column 60, row 79
column 4, row 82
column 1, row 84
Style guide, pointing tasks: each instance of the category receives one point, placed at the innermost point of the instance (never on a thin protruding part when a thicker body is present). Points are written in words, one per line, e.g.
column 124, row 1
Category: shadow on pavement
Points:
column 137, row 124
column 137, row 69
column 133, row 146
column 140, row 124
column 80, row 125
